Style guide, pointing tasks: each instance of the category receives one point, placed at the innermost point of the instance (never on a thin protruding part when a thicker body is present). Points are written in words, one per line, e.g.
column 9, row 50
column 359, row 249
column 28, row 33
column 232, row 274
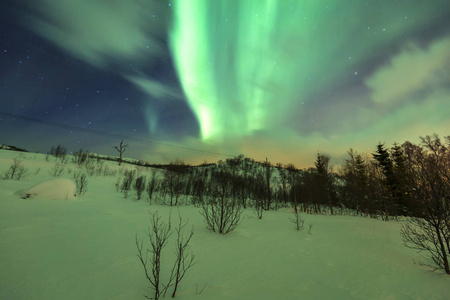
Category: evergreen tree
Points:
column 385, row 163
column 355, row 179
column 399, row 186
column 324, row 179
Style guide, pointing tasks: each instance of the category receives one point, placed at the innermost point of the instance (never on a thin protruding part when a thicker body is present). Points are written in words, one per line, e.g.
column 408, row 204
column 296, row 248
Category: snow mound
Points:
column 56, row 189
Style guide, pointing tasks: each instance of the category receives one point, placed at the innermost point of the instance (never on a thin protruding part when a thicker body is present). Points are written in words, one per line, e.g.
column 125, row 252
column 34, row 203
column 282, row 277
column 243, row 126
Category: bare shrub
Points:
column 139, row 186
column 183, row 261
column 174, row 184
column 80, row 157
column 152, row 185
column 81, row 183
column 199, row 292
column 124, row 184
column 16, row 171
column 63, row 159
column 421, row 235
column 107, row 171
column 221, row 212
column 158, row 236
column 57, row 169
column 199, row 187
column 89, row 166
column 58, row 151
column 221, row 215
column 297, row 219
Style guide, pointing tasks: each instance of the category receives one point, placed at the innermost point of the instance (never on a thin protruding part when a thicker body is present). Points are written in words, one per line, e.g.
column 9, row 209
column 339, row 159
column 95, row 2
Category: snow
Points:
column 56, row 189
column 85, row 249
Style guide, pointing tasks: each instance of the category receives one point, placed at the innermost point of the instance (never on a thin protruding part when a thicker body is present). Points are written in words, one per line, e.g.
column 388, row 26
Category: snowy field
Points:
column 53, row 246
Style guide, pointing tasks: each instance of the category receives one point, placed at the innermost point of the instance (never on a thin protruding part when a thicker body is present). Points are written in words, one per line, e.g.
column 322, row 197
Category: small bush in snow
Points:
column 124, row 185
column 36, row 171
column 81, row 183
column 58, row 151
column 16, row 171
column 152, row 185
column 221, row 215
column 80, row 157
column 57, row 169
column 297, row 219
column 139, row 186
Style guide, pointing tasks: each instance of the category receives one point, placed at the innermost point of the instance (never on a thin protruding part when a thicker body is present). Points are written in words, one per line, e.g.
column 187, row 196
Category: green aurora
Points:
column 244, row 64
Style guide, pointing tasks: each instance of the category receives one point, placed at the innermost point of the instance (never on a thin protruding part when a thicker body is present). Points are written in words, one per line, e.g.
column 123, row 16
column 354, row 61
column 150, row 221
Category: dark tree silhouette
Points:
column 428, row 173
column 324, row 179
column 121, row 149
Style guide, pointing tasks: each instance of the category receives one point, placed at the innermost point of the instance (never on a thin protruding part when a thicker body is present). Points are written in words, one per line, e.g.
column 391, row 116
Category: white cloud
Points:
column 411, row 71
column 154, row 88
column 99, row 31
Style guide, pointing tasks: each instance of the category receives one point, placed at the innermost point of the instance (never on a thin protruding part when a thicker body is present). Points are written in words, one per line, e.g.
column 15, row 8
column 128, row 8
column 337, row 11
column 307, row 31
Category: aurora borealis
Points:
column 245, row 63
column 278, row 79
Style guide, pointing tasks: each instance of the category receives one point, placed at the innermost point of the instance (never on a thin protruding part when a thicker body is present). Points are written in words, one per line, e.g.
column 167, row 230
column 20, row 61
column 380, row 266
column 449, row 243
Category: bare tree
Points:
column 324, row 180
column 158, row 236
column 221, row 215
column 421, row 235
column 221, row 212
column 183, row 261
column 174, row 180
column 268, row 175
column 428, row 172
column 260, row 194
column 121, row 149
column 199, row 186
column 152, row 185
column 297, row 219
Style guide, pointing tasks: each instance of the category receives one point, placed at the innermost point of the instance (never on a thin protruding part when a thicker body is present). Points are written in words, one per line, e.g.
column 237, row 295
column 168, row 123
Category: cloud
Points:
column 100, row 32
column 112, row 35
column 415, row 119
column 156, row 89
column 411, row 71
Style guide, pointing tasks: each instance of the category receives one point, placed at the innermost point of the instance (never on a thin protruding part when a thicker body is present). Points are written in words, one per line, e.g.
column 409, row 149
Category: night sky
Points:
column 199, row 79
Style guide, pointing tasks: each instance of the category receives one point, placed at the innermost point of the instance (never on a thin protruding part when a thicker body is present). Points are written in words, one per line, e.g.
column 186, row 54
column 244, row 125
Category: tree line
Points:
column 382, row 184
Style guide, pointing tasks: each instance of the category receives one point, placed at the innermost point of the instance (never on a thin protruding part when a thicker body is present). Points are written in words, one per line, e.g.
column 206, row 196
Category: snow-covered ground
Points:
column 84, row 248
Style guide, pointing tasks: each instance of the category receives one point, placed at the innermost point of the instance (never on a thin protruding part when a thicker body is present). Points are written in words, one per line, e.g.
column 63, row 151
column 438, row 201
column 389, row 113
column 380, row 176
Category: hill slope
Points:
column 84, row 248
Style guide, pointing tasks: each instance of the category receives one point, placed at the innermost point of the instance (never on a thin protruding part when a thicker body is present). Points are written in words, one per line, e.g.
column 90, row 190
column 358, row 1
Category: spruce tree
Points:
column 324, row 178
column 385, row 162
column 399, row 187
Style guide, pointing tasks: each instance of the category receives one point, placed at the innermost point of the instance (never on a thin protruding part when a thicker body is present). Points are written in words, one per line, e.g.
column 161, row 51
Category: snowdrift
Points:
column 56, row 189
